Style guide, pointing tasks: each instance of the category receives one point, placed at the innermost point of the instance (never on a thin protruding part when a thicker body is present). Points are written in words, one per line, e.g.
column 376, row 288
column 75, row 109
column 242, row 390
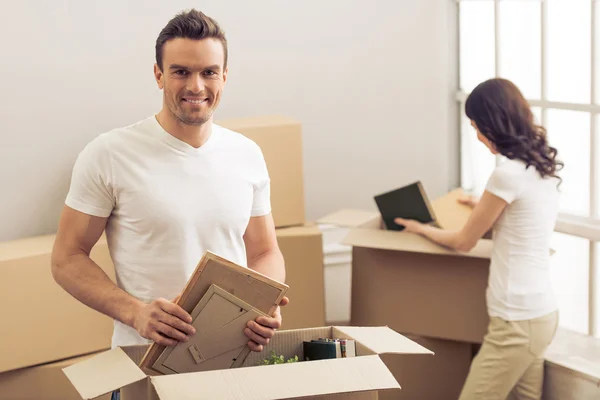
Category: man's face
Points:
column 192, row 78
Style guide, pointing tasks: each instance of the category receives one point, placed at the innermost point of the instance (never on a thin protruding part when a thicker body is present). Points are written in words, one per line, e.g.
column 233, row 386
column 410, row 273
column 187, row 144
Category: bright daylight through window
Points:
column 549, row 49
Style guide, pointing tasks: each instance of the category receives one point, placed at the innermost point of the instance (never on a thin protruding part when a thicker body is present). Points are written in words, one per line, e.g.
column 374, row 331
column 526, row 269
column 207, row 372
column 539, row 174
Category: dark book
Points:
column 408, row 202
column 325, row 348
column 321, row 350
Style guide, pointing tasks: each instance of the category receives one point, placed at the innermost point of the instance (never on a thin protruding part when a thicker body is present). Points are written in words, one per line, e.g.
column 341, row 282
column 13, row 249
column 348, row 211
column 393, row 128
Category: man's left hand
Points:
column 263, row 329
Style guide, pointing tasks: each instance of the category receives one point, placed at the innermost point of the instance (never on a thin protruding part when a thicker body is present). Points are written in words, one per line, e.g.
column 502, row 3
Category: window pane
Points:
column 477, row 59
column 569, row 132
column 537, row 114
column 597, row 49
column 569, row 269
column 520, row 45
column 569, row 50
column 597, row 287
column 477, row 162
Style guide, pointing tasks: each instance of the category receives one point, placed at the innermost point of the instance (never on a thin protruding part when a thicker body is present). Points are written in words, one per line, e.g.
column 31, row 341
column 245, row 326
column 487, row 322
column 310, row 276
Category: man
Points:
column 166, row 189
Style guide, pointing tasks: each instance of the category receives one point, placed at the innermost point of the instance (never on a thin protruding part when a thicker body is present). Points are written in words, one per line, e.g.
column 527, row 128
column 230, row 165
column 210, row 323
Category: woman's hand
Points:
column 468, row 200
column 410, row 225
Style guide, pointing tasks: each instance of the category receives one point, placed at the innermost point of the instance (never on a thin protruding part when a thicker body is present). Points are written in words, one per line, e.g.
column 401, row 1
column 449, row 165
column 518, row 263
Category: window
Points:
column 550, row 50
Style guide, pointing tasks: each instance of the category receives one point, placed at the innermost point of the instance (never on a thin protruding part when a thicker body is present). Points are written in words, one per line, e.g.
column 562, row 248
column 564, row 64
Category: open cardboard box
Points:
column 361, row 375
column 413, row 285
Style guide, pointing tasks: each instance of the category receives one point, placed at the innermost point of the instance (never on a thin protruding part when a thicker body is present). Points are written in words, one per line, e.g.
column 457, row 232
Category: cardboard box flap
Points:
column 103, row 373
column 449, row 212
column 30, row 247
column 256, row 122
column 350, row 218
column 297, row 231
column 381, row 340
column 282, row 381
column 403, row 241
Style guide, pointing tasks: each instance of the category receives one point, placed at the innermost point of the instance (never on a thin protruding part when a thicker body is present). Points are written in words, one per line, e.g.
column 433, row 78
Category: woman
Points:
column 520, row 202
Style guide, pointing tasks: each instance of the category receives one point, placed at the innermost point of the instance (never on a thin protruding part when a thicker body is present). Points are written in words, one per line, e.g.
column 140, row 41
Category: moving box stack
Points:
column 45, row 329
column 426, row 292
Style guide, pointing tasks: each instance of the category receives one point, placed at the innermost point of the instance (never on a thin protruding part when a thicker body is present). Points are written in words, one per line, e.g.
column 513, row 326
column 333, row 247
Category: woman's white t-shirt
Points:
column 519, row 281
column 168, row 203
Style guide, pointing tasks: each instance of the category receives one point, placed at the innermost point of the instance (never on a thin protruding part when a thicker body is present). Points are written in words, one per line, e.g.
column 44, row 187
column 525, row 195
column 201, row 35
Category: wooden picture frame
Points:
column 253, row 288
column 220, row 319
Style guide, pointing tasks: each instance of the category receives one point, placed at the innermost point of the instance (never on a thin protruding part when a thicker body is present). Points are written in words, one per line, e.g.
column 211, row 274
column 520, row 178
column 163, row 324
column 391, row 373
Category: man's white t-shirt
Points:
column 519, row 281
column 168, row 203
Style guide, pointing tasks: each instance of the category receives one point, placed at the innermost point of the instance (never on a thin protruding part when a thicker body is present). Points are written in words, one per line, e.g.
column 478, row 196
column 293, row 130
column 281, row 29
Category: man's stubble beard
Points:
column 179, row 114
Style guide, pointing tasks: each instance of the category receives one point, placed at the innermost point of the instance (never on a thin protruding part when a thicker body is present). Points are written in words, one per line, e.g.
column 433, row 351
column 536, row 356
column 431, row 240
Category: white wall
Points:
column 373, row 83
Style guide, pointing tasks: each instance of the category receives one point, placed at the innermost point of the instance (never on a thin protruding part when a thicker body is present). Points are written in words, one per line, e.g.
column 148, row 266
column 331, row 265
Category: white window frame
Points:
column 583, row 227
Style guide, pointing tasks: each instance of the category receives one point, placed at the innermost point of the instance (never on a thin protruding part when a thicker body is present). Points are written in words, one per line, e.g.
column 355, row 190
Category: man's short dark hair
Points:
column 192, row 24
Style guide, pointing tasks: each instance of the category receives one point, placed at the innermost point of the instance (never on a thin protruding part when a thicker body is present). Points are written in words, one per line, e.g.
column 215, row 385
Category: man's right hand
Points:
column 164, row 322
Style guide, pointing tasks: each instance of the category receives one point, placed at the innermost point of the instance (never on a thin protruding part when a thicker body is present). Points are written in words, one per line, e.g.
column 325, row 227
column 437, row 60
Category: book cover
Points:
column 408, row 202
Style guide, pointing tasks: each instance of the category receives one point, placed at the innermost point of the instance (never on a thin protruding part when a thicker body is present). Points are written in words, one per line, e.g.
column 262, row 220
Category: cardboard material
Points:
column 440, row 377
column 42, row 317
column 423, row 294
column 47, row 382
column 412, row 284
column 257, row 290
column 450, row 213
column 302, row 249
column 365, row 373
column 280, row 139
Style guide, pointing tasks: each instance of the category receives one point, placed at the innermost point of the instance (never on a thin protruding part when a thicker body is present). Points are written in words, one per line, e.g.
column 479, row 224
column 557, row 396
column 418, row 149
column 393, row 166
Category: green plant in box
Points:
column 275, row 359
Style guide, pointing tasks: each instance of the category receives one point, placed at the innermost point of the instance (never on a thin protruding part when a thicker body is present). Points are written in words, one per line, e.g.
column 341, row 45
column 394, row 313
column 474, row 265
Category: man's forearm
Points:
column 270, row 264
column 80, row 276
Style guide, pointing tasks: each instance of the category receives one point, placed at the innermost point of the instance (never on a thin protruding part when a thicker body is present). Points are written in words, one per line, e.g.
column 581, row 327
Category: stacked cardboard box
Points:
column 280, row 139
column 417, row 288
column 44, row 329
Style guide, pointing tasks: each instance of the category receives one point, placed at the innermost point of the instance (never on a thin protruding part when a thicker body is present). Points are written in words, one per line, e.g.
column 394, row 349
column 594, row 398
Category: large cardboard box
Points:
column 43, row 382
column 41, row 322
column 413, row 285
column 430, row 378
column 360, row 376
column 280, row 139
column 302, row 249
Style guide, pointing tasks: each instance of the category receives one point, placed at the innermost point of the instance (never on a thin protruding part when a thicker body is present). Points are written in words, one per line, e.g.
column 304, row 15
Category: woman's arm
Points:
column 484, row 215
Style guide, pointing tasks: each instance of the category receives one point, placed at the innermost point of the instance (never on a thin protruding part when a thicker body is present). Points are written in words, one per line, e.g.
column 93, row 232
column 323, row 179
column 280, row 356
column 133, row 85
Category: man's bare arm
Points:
column 264, row 256
column 74, row 270
column 262, row 249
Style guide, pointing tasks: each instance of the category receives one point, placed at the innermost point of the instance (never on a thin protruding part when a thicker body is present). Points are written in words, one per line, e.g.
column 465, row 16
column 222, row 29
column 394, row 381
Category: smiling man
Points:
column 166, row 189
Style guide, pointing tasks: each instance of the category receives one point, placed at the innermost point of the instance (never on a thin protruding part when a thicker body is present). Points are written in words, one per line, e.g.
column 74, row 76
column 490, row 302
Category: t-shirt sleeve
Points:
column 504, row 184
column 91, row 188
column 261, row 204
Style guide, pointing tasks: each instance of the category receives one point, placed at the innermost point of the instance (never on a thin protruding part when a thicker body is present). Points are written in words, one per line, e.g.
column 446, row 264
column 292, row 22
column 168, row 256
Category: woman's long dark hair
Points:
column 504, row 117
